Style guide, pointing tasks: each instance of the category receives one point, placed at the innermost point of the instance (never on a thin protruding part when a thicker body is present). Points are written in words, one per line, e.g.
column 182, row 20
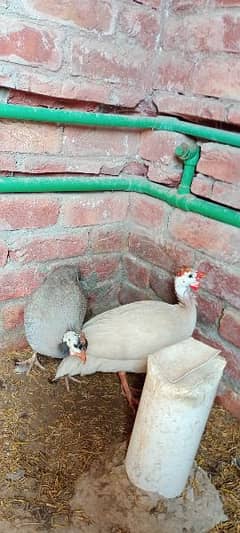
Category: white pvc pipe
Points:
column 178, row 393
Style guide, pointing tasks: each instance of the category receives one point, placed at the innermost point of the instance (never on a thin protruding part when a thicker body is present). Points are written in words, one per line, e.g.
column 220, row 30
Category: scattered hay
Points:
column 54, row 436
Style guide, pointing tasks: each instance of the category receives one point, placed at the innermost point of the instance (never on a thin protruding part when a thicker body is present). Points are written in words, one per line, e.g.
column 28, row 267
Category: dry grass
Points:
column 54, row 436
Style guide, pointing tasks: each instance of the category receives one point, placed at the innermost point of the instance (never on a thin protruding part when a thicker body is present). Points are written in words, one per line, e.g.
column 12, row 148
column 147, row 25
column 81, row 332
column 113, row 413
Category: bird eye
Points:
column 190, row 275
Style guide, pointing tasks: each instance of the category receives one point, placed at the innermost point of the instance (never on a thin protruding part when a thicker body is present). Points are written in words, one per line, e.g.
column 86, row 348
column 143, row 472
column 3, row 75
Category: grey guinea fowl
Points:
column 57, row 306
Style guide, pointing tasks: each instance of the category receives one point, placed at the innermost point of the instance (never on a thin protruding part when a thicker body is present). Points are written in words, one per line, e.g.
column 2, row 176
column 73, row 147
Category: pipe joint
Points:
column 189, row 153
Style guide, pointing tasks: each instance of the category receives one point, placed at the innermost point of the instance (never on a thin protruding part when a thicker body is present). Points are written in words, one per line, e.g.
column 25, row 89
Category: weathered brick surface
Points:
column 161, row 283
column 166, row 254
column 27, row 211
column 193, row 107
column 128, row 293
column 222, row 281
column 137, row 273
column 230, row 326
column 30, row 138
column 98, row 268
column 45, row 248
column 209, row 32
column 142, row 25
column 209, row 308
column 121, row 63
column 220, row 162
column 22, row 42
column 223, row 193
column 148, row 212
column 210, row 236
column 90, row 209
column 12, row 316
column 109, row 239
column 87, row 14
column 18, row 283
column 90, row 141
column 180, row 6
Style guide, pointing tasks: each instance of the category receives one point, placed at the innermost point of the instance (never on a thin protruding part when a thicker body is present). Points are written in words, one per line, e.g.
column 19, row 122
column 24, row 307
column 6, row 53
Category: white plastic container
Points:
column 178, row 393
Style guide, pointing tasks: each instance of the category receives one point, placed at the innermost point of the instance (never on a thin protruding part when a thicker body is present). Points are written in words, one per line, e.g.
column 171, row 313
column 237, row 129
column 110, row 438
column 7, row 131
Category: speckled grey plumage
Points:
column 57, row 306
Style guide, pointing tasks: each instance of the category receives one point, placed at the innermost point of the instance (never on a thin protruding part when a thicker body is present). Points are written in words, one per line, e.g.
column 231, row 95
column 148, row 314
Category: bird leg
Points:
column 128, row 391
column 67, row 378
column 26, row 366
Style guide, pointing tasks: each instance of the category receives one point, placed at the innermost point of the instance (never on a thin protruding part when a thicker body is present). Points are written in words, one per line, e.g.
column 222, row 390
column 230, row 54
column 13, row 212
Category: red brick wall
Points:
column 176, row 57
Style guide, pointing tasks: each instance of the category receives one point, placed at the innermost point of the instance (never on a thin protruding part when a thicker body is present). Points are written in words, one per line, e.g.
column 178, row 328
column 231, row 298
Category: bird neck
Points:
column 186, row 297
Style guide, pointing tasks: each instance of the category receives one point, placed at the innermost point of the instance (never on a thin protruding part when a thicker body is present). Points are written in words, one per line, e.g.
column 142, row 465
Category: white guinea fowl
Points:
column 120, row 340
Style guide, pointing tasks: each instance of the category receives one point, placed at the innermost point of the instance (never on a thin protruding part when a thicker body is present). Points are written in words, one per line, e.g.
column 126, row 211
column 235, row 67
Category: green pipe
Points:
column 190, row 155
column 129, row 183
column 81, row 118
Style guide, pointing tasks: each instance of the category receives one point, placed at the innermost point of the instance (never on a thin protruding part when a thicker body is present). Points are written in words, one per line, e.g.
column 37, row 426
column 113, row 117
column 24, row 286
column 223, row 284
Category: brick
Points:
column 18, row 283
column 108, row 239
column 141, row 25
column 221, row 281
column 90, row 141
column 3, row 253
column 75, row 88
column 137, row 273
column 217, row 76
column 232, row 369
column 165, row 174
column 39, row 100
column 27, row 211
column 220, row 162
column 230, row 400
column 115, row 64
column 104, row 297
column 162, row 285
column 30, row 138
column 190, row 106
column 174, row 72
column 134, row 168
column 208, row 33
column 209, row 308
column 226, row 194
column 44, row 165
column 160, row 145
column 202, row 186
column 98, row 268
column 13, row 316
column 223, row 193
column 230, row 326
column 87, row 14
column 45, row 249
column 180, row 6
column 147, row 212
column 29, row 44
column 151, row 3
column 201, row 233
column 167, row 255
column 90, row 209
column 129, row 293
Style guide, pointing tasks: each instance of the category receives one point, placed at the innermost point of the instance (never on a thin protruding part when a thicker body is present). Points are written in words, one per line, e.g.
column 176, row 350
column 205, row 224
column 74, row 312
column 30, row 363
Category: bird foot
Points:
column 25, row 367
column 128, row 392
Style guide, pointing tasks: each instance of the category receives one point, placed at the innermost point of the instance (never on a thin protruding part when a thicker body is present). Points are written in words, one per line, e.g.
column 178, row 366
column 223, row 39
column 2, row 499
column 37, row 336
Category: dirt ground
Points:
column 50, row 438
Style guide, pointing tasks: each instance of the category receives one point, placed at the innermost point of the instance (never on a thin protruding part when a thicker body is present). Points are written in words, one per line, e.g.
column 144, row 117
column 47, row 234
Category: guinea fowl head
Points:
column 187, row 280
column 71, row 343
